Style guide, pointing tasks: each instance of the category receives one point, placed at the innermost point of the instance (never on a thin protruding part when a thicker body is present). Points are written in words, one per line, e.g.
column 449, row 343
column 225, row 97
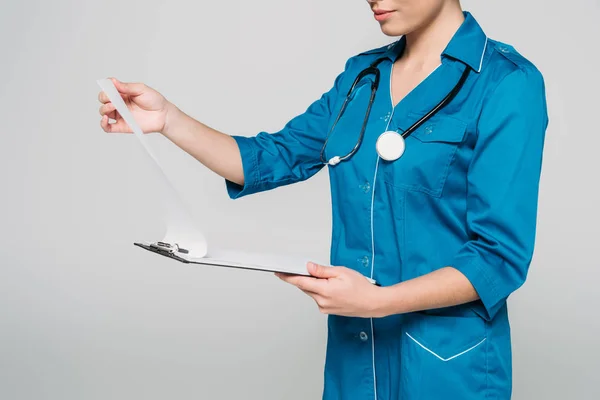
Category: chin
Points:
column 401, row 24
column 393, row 30
column 398, row 26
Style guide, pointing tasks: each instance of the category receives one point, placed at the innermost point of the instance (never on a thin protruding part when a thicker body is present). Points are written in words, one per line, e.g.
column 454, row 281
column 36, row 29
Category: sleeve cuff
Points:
column 483, row 283
column 250, row 168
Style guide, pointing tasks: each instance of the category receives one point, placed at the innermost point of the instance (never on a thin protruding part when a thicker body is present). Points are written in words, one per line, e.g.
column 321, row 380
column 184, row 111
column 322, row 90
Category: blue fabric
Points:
column 464, row 194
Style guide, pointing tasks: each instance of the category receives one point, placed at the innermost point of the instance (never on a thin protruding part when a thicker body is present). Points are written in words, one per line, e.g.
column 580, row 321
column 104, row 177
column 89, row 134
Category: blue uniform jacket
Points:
column 464, row 194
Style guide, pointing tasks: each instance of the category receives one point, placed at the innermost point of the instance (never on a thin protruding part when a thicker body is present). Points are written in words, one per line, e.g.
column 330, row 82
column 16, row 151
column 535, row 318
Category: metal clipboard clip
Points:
column 168, row 247
column 171, row 250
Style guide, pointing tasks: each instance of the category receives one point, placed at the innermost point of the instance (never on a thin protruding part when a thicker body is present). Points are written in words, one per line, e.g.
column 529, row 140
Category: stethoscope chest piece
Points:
column 390, row 145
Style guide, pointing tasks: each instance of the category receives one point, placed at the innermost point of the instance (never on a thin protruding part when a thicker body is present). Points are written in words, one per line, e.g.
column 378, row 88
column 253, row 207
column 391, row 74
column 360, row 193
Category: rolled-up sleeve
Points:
column 290, row 155
column 503, row 184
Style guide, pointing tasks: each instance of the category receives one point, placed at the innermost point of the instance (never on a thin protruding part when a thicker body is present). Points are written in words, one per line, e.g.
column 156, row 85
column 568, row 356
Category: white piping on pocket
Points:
column 442, row 358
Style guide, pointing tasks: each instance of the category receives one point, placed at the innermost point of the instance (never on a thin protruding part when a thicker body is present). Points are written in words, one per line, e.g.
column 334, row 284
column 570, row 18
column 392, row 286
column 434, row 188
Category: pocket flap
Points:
column 440, row 129
column 446, row 337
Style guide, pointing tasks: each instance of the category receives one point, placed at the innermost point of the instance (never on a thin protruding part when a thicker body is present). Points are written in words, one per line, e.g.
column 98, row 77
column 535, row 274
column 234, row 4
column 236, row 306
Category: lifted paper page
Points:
column 180, row 229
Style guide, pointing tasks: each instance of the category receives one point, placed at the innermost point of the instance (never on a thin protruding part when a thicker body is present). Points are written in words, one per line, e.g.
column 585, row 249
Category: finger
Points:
column 104, row 123
column 114, row 115
column 321, row 271
column 133, row 89
column 281, row 275
column 321, row 301
column 318, row 297
column 118, row 127
column 103, row 97
column 307, row 283
column 107, row 108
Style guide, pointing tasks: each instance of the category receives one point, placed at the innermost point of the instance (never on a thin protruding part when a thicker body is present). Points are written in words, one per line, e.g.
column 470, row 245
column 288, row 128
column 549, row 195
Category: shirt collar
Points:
column 468, row 44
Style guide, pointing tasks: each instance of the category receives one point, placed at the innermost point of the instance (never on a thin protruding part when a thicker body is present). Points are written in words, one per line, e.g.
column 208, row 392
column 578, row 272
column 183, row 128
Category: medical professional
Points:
column 433, row 145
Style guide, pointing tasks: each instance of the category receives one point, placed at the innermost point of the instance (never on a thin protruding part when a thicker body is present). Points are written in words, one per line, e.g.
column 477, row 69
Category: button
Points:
column 364, row 261
column 363, row 336
column 365, row 187
column 428, row 129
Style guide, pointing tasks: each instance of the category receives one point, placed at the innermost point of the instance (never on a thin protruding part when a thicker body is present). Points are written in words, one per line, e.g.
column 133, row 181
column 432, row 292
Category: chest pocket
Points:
column 429, row 153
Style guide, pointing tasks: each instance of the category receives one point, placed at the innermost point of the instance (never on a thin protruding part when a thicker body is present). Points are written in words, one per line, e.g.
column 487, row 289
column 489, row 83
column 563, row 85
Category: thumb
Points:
column 133, row 89
column 321, row 271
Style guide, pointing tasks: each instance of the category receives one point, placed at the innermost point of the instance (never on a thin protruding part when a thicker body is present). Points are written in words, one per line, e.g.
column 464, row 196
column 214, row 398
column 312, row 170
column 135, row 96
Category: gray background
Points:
column 86, row 315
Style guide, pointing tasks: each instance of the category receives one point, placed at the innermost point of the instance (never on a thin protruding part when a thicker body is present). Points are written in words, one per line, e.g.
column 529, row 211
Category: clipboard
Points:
column 235, row 259
column 211, row 257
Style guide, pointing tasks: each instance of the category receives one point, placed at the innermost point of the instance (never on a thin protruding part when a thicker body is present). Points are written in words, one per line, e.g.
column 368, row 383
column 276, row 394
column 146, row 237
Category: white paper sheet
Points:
column 180, row 228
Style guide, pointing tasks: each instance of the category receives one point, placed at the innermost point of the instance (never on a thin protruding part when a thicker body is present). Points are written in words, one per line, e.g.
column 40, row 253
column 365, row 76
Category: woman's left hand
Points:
column 339, row 291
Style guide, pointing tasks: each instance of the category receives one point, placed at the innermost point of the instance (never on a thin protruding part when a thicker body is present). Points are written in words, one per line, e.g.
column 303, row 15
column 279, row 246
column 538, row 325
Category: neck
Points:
column 426, row 44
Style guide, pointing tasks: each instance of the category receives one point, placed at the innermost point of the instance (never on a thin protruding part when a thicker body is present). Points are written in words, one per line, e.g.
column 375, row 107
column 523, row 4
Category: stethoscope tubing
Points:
column 372, row 69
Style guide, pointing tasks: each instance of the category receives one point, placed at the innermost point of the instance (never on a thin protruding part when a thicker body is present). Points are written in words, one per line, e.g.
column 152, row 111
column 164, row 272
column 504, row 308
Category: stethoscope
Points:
column 390, row 145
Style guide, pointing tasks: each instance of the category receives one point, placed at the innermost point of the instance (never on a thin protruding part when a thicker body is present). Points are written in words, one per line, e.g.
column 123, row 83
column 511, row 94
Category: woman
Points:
column 446, row 227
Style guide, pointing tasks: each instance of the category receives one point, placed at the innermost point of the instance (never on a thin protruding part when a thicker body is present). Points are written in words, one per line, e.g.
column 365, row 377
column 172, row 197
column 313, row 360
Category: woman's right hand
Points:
column 216, row 150
column 149, row 108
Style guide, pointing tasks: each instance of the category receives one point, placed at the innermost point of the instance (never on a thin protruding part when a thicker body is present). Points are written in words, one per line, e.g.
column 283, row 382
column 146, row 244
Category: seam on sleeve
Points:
column 256, row 167
column 477, row 266
column 491, row 95
column 487, row 277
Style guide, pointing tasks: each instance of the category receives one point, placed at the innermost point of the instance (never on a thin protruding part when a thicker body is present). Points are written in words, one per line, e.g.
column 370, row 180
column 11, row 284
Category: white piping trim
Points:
column 373, row 267
column 441, row 358
column 483, row 54
column 372, row 228
column 375, row 180
column 429, row 74
column 373, row 353
column 391, row 94
column 372, row 270
column 412, row 90
column 373, row 238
